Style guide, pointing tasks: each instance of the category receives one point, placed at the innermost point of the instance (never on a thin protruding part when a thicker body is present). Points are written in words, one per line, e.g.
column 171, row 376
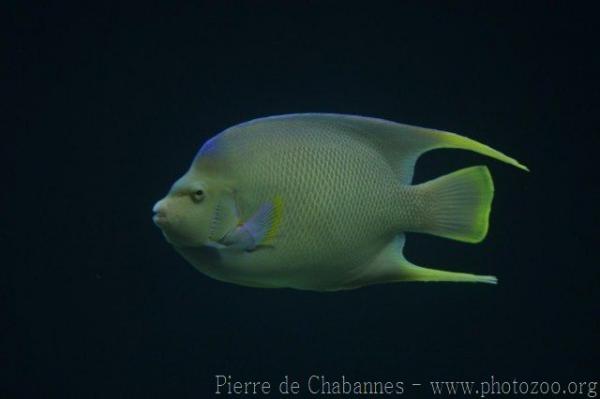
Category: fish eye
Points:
column 198, row 195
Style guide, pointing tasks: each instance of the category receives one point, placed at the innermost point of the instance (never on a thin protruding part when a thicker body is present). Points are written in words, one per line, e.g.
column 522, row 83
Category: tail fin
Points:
column 457, row 205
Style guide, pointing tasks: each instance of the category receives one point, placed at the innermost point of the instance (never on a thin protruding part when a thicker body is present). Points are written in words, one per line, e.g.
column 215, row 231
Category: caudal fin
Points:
column 457, row 205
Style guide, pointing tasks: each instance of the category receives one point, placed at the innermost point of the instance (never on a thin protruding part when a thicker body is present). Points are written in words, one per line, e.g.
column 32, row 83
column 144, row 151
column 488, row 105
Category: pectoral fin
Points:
column 260, row 229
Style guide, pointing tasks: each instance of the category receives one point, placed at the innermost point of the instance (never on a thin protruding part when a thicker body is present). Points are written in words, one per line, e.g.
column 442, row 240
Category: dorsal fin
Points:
column 400, row 144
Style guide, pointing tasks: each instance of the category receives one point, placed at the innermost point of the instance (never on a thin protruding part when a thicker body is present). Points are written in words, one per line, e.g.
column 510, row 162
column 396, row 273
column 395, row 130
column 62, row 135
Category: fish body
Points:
column 323, row 201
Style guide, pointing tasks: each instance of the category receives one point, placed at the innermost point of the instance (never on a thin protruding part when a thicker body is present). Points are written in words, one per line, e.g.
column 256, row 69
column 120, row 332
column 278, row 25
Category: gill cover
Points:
column 225, row 218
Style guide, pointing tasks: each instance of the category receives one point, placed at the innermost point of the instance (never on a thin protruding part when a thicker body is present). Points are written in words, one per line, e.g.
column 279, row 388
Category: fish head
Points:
column 185, row 215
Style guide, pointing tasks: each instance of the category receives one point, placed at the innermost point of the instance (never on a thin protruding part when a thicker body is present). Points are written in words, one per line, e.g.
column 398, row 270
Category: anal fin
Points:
column 410, row 272
column 391, row 266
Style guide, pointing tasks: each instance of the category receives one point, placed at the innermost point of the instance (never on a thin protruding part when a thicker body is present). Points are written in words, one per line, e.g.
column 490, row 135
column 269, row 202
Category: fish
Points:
column 323, row 202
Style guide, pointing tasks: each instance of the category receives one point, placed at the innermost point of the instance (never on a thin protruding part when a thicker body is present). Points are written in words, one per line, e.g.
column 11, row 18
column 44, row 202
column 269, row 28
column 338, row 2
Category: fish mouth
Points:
column 159, row 220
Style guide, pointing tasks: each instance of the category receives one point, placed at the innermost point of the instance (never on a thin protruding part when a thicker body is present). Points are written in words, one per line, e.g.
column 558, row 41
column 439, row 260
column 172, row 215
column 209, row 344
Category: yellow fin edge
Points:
column 276, row 221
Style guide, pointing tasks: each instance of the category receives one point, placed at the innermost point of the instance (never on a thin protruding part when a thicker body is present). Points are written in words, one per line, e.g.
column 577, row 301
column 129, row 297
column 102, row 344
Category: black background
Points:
column 107, row 104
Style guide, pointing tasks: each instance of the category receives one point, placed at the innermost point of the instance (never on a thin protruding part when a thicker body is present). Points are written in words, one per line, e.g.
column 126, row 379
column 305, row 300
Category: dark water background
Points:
column 107, row 105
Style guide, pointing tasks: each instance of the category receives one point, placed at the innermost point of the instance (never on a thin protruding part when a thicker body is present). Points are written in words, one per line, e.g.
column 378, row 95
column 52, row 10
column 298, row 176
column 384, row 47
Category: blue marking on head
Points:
column 209, row 148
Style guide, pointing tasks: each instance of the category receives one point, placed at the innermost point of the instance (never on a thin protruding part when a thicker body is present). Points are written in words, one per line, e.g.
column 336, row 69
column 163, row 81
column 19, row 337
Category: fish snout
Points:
column 160, row 213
